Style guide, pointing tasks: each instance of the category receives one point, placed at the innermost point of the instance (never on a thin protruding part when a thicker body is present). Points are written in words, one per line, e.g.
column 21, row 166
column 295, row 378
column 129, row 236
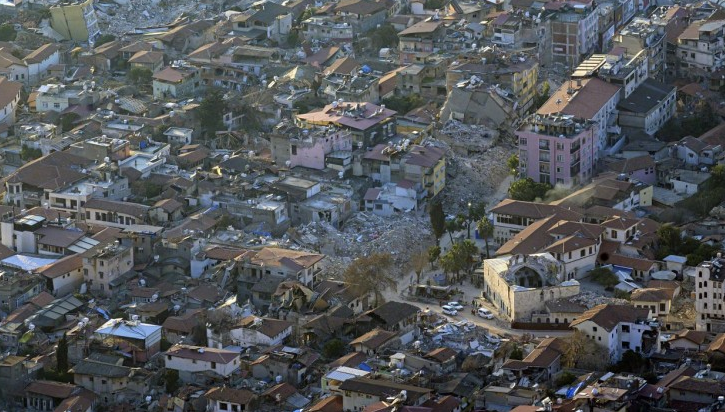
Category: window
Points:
column 582, row 253
column 103, row 382
column 594, row 329
column 223, row 406
column 100, row 275
column 523, row 141
column 213, row 365
column 625, row 328
column 625, row 345
column 614, row 234
column 662, row 307
column 294, row 150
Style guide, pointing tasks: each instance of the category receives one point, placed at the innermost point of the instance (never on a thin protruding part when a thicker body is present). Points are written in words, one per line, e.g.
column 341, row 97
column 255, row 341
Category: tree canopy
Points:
column 528, row 190
column 437, row 220
column 140, row 76
column 7, row 32
column 211, row 111
column 371, row 274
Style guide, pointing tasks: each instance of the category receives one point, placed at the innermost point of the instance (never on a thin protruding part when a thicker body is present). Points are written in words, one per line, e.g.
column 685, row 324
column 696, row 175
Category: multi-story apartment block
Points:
column 369, row 124
column 327, row 28
column 420, row 40
column 557, row 149
column 642, row 34
column 104, row 265
column 591, row 99
column 701, row 47
column 574, row 32
column 312, row 148
column 709, row 292
column 649, row 107
column 516, row 77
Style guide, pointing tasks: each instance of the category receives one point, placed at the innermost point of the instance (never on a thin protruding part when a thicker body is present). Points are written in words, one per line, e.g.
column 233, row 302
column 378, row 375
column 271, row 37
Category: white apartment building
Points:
column 702, row 47
column 619, row 328
column 709, row 294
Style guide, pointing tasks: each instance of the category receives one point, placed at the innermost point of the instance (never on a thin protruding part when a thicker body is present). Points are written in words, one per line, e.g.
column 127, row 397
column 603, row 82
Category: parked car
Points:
column 449, row 310
column 455, row 305
column 484, row 313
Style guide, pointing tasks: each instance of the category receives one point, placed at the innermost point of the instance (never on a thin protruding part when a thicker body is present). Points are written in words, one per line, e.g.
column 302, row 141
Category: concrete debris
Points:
column 590, row 299
column 144, row 13
column 364, row 234
column 475, row 177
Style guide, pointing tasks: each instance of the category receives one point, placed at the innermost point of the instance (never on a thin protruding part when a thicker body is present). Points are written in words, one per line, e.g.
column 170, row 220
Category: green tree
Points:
column 437, row 220
column 7, row 32
column 145, row 189
column 384, row 36
column 603, row 276
column 309, row 12
column 140, row 76
column 434, row 4
column 669, row 241
column 452, row 226
column 434, row 253
column 293, row 38
column 476, row 211
column 333, row 349
column 464, row 253
column 198, row 335
column 404, row 104
column 68, row 121
column 448, row 263
column 485, row 231
column 61, row 355
column 371, row 274
column 517, row 353
column 211, row 111
column 164, row 345
column 513, row 164
column 29, row 153
column 718, row 174
column 528, row 190
column 103, row 39
column 566, row 378
column 172, row 380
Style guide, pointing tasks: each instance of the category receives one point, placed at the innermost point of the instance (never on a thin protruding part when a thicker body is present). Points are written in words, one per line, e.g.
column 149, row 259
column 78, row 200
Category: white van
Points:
column 484, row 313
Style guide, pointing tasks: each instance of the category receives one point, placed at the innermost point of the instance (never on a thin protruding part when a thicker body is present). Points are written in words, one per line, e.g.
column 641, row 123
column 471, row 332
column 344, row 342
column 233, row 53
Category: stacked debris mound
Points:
column 590, row 299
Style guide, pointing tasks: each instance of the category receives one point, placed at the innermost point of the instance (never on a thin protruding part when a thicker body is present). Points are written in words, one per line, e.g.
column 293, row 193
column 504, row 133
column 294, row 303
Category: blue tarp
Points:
column 364, row 366
column 573, row 390
column 103, row 313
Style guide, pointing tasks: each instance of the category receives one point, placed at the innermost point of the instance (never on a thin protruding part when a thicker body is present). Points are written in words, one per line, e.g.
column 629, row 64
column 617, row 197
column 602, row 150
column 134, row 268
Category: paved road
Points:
column 470, row 292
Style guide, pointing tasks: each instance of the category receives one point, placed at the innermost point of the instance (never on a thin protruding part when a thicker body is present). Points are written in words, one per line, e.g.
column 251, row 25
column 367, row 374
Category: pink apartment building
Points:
column 557, row 149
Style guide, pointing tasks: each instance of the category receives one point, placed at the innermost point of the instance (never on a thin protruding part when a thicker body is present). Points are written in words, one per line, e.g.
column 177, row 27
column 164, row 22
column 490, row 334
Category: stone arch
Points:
column 529, row 277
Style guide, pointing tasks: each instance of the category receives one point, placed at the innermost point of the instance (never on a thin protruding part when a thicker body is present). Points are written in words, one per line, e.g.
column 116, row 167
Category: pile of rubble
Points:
column 364, row 234
column 470, row 136
column 590, row 299
column 123, row 16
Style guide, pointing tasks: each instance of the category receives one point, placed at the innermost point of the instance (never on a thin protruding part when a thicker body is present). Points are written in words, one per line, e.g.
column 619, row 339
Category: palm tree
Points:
column 448, row 263
column 485, row 230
